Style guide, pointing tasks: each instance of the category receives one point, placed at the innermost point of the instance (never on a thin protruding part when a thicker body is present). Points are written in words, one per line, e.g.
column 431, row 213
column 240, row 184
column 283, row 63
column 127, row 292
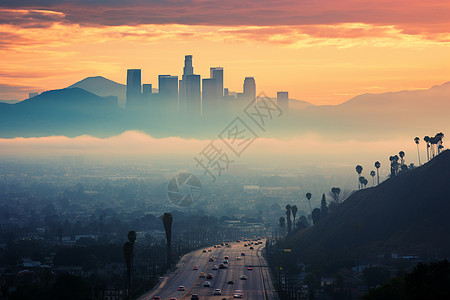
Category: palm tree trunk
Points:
column 418, row 153
column 378, row 178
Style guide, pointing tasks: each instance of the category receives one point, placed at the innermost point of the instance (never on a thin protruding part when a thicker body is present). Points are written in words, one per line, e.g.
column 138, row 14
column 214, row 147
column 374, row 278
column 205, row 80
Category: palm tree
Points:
column 427, row 141
column 361, row 181
column 335, row 191
column 378, row 165
column 365, row 182
column 359, row 169
column 372, row 173
column 417, row 140
column 394, row 164
column 402, row 154
column 308, row 196
column 294, row 210
column 167, row 221
column 288, row 218
column 438, row 137
column 128, row 253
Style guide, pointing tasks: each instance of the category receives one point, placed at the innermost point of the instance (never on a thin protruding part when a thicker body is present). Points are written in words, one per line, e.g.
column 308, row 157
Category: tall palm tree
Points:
column 167, row 219
column 359, row 169
column 361, row 180
column 427, row 141
column 128, row 254
column 294, row 210
column 378, row 165
column 417, row 140
column 335, row 191
column 308, row 196
column 288, row 218
column 401, row 154
column 372, row 173
column 438, row 137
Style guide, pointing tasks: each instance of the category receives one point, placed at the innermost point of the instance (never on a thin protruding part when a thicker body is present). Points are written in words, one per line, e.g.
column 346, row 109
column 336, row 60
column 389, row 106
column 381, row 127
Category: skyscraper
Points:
column 209, row 96
column 168, row 92
column 217, row 74
column 133, row 88
column 190, row 98
column 249, row 88
column 283, row 101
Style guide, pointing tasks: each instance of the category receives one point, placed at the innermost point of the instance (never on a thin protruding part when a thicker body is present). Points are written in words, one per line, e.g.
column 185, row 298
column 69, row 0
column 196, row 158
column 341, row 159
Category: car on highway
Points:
column 245, row 245
column 181, row 288
column 225, row 261
column 215, row 267
column 230, row 282
column 202, row 275
column 157, row 298
column 207, row 284
column 217, row 292
column 243, row 277
column 249, row 268
column 242, row 254
column 209, row 276
column 194, row 268
column 211, row 259
column 238, row 294
column 173, row 298
column 226, row 258
column 251, row 248
column 194, row 297
column 238, row 258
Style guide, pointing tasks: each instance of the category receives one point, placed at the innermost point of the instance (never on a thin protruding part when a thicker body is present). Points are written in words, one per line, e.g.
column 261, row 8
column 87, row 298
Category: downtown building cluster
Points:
column 190, row 95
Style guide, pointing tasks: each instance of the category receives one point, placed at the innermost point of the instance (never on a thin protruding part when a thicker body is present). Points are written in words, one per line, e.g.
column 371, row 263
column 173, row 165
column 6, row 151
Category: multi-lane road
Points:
column 257, row 285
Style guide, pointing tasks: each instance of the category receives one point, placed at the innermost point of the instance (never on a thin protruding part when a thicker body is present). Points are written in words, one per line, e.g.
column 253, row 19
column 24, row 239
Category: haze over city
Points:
column 224, row 149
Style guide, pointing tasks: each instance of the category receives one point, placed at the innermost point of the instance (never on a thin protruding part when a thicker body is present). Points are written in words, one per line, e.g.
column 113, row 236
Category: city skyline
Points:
column 321, row 52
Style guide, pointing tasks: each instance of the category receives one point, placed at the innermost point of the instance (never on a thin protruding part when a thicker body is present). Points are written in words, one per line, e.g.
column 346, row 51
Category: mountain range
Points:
column 76, row 110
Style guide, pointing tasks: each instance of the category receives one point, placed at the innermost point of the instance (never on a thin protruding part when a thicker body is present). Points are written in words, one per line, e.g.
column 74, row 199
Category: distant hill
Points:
column 69, row 112
column 407, row 214
column 103, row 87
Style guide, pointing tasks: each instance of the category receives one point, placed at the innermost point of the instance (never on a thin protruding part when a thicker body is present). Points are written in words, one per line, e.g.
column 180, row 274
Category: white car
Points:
column 207, row 284
column 215, row 267
column 217, row 292
column 238, row 294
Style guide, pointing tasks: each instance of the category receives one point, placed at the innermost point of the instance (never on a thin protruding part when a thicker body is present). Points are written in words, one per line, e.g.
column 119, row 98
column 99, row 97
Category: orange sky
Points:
column 321, row 51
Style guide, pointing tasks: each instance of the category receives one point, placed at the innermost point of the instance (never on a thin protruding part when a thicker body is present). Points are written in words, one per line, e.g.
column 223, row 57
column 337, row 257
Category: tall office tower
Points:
column 283, row 101
column 147, row 91
column 168, row 92
column 32, row 94
column 209, row 96
column 133, row 88
column 188, row 68
column 190, row 98
column 250, row 88
column 217, row 74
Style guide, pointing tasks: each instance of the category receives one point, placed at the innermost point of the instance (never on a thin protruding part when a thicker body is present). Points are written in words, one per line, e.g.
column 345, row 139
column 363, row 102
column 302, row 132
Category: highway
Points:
column 257, row 285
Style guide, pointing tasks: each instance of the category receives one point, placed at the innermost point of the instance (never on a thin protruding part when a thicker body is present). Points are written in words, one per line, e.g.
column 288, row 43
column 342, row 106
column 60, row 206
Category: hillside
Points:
column 408, row 214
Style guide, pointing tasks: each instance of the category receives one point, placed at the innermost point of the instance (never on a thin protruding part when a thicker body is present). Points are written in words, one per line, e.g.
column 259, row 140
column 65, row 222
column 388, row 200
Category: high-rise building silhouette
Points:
column 133, row 88
column 209, row 96
column 249, row 88
column 217, row 74
column 168, row 92
column 32, row 94
column 283, row 101
column 147, row 91
column 190, row 98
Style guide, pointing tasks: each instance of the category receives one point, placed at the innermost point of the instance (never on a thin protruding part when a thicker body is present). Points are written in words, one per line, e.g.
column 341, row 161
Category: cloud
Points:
column 406, row 15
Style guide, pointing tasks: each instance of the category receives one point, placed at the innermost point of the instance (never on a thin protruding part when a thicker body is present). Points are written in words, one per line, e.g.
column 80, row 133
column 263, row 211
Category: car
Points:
column 194, row 268
column 202, row 275
column 173, row 298
column 243, row 277
column 207, row 284
column 211, row 259
column 225, row 261
column 230, row 282
column 226, row 258
column 217, row 292
column 245, row 245
column 204, row 251
column 242, row 254
column 157, row 298
column 181, row 288
column 251, row 248
column 209, row 250
column 238, row 258
column 209, row 276
column 221, row 266
column 249, row 268
column 215, row 267
column 194, row 297
column 238, row 294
